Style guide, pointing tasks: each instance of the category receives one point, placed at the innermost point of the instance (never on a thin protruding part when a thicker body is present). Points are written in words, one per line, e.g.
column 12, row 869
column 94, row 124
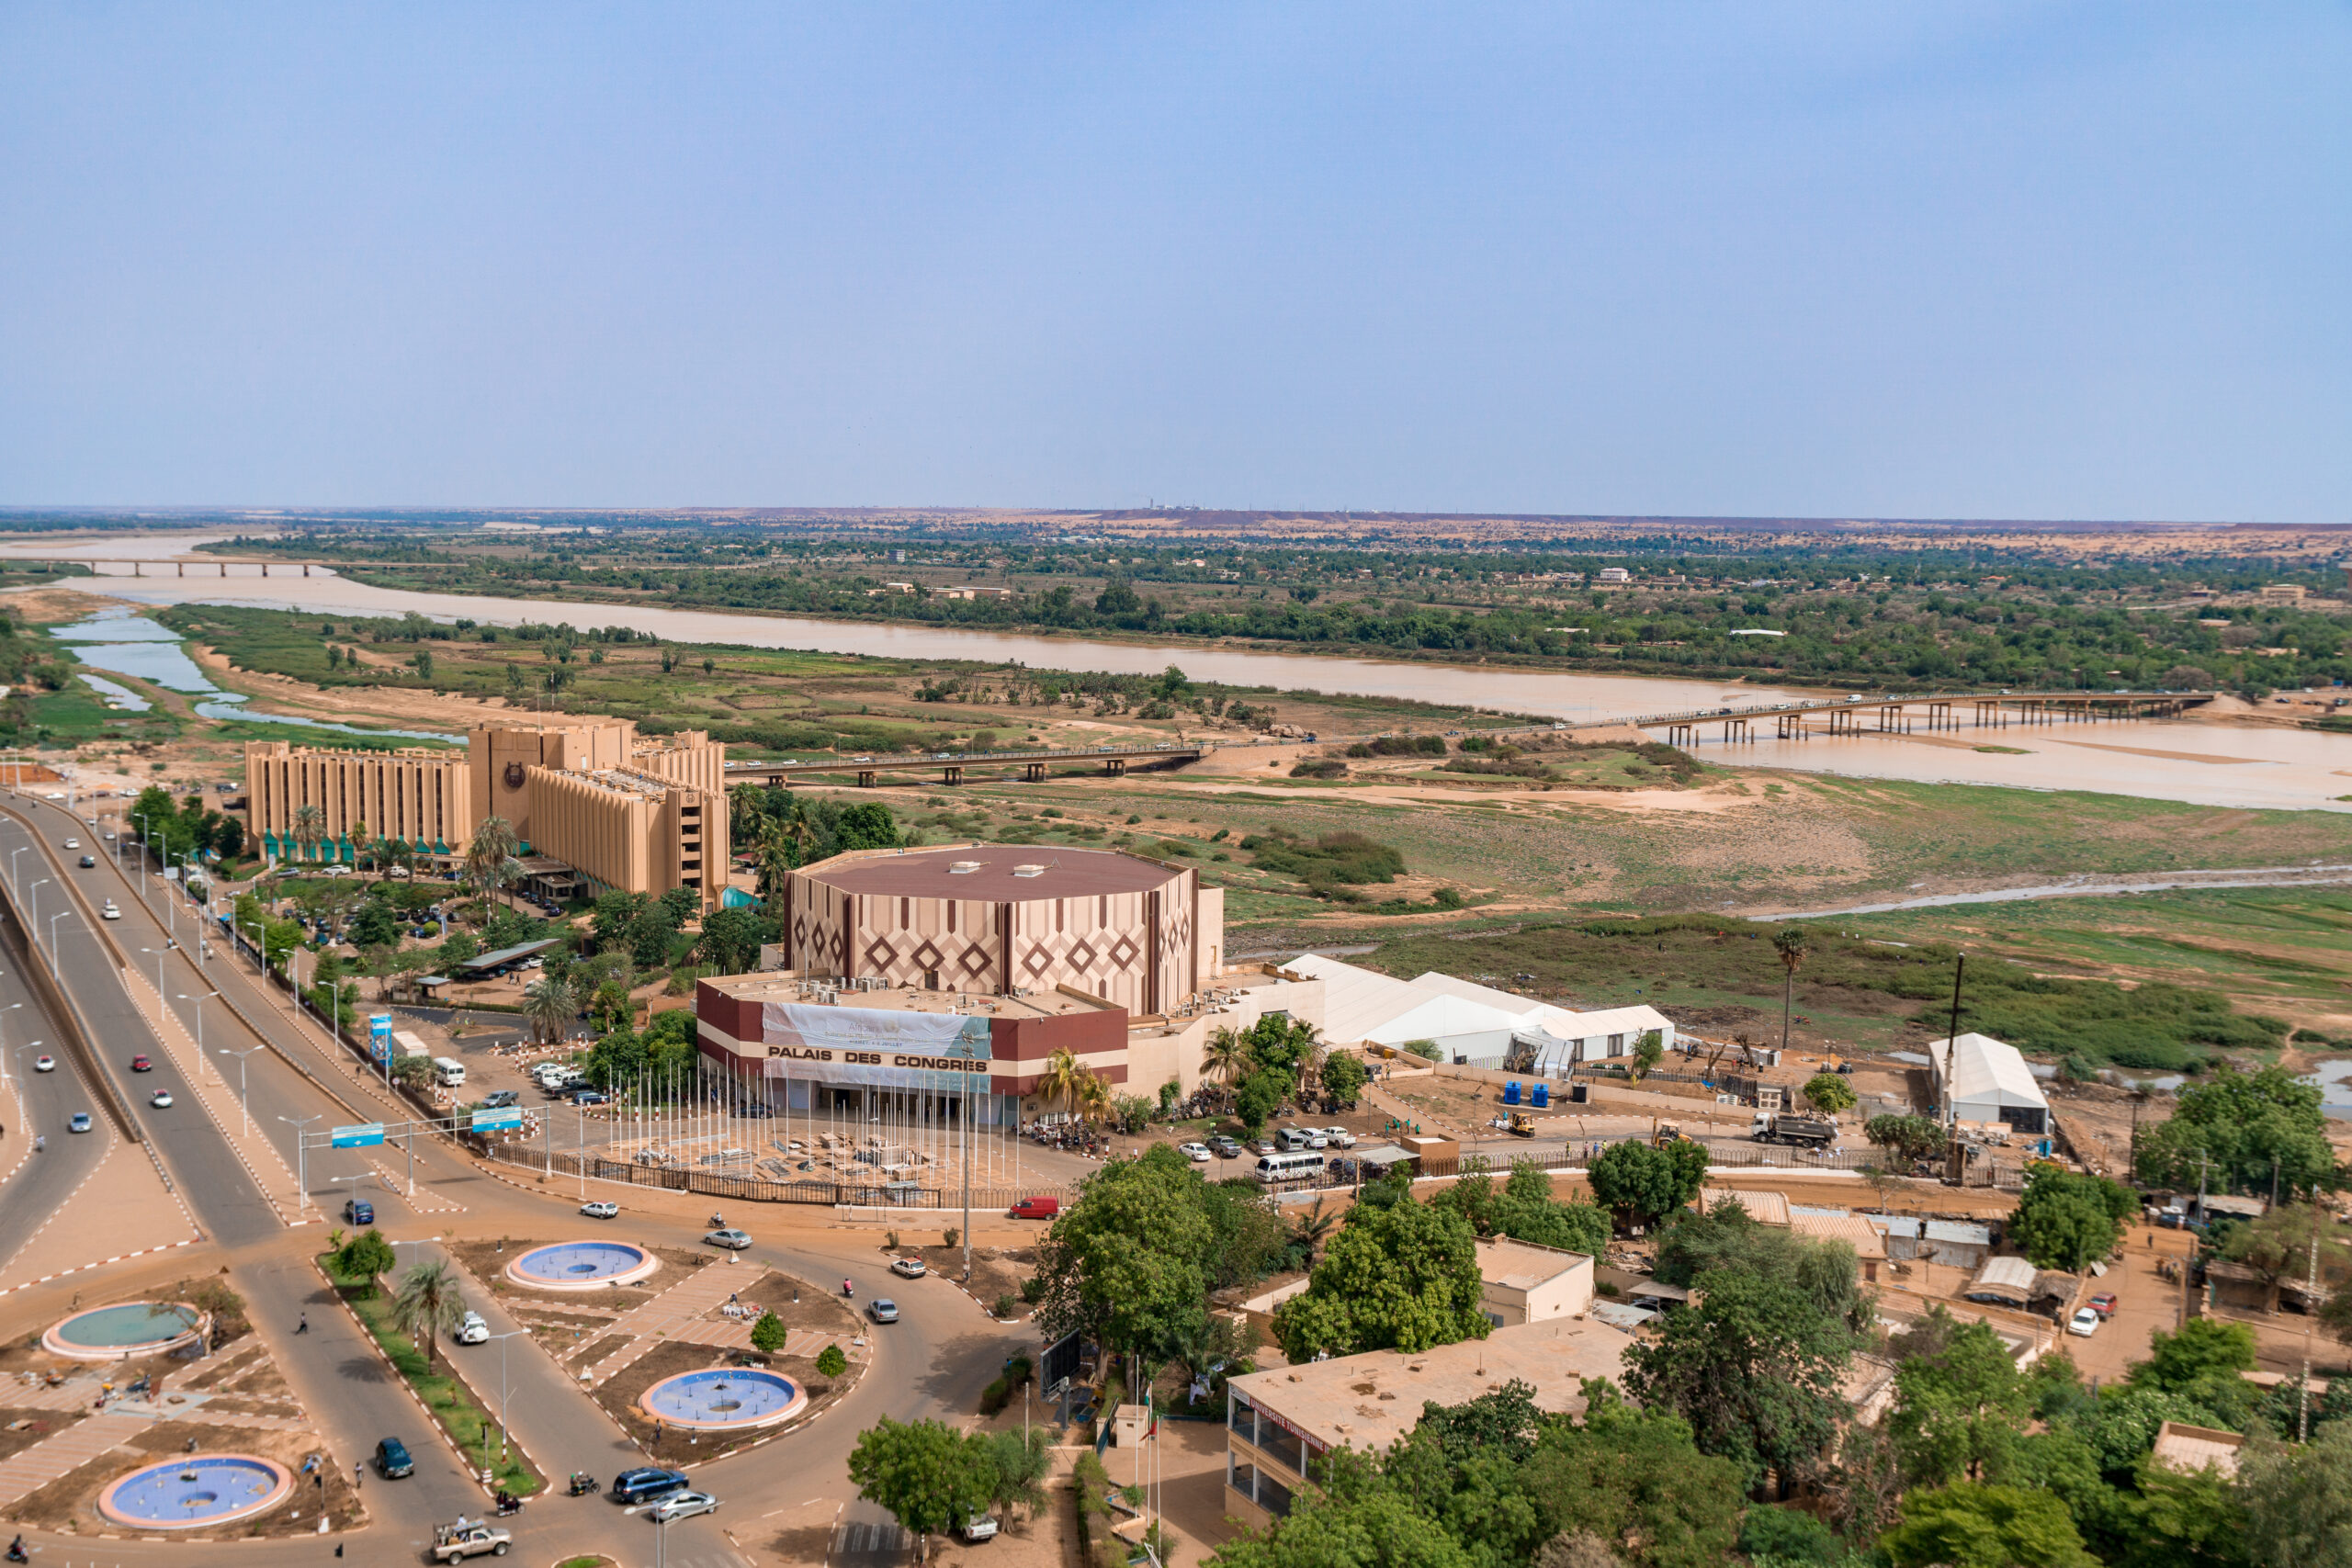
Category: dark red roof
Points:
column 924, row 874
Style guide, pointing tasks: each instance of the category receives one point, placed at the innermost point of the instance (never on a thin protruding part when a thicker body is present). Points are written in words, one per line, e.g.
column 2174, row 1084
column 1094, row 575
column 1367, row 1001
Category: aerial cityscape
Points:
column 1303, row 788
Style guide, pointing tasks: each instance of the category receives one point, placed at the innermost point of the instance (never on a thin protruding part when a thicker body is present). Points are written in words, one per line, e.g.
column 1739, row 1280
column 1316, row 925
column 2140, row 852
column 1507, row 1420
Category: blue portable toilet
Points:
column 1543, row 1095
column 1511, row 1092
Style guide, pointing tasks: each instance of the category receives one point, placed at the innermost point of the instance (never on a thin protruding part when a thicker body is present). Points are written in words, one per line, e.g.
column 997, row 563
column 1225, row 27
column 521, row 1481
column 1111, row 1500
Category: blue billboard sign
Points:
column 504, row 1119
column 366, row 1135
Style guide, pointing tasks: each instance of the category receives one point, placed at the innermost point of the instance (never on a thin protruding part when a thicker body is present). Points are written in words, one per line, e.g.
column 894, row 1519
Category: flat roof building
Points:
column 640, row 814
column 1521, row 1283
column 1280, row 1422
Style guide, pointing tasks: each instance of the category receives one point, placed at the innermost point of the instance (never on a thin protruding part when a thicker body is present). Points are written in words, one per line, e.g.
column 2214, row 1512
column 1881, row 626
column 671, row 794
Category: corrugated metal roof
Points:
column 1851, row 1229
column 1962, row 1232
column 1764, row 1208
column 2014, row 1275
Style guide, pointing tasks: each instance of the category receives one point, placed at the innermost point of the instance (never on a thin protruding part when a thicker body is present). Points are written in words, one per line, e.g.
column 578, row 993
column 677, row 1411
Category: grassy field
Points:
column 2285, row 952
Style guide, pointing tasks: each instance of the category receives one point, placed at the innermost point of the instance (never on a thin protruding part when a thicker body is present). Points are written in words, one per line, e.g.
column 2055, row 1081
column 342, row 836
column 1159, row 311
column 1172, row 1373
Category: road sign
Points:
column 508, row 1116
column 365, row 1136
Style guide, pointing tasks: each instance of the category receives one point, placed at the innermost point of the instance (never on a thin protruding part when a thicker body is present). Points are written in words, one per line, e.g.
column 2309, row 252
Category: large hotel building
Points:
column 595, row 804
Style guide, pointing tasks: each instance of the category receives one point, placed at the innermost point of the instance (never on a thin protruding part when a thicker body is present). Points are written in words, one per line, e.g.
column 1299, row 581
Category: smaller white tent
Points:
column 1988, row 1082
column 1459, row 1027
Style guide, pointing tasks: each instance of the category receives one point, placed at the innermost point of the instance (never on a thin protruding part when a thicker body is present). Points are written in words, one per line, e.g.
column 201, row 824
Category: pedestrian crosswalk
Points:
column 873, row 1540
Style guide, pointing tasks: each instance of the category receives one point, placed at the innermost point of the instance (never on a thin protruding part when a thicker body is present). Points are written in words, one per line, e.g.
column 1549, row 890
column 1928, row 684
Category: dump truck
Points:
column 1805, row 1132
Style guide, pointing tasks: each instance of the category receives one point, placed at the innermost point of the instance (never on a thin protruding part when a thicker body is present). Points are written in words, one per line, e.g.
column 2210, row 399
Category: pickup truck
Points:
column 1802, row 1130
column 454, row 1542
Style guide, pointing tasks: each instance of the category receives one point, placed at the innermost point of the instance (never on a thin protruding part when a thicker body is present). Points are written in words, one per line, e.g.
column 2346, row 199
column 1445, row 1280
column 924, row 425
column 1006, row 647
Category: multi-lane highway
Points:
column 781, row 1497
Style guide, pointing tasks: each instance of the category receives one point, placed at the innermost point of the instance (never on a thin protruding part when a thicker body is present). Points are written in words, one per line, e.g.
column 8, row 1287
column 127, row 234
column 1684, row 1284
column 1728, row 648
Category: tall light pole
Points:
column 198, row 999
column 242, row 1106
column 302, row 1157
column 32, row 912
column 20, row 849
column 19, row 1053
column 502, row 1339
column 4, row 1039
column 53, row 941
column 159, row 952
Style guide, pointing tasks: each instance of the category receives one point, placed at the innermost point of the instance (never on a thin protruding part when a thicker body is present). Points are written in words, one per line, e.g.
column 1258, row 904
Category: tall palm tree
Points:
column 309, row 825
column 1062, row 1083
column 1225, row 1058
column 1312, row 1229
column 487, row 855
column 1096, row 1102
column 1793, row 947
column 547, row 1002
column 425, row 1306
column 776, row 859
column 362, row 838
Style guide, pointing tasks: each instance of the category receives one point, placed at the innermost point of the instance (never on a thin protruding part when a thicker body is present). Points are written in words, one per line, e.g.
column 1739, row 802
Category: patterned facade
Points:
column 1136, row 933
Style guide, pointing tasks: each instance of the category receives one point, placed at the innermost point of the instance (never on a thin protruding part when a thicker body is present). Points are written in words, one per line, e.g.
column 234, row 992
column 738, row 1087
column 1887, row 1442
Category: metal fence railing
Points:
column 759, row 1189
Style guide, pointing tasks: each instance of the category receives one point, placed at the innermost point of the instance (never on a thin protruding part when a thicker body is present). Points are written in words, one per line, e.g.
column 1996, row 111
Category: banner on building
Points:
column 884, row 1048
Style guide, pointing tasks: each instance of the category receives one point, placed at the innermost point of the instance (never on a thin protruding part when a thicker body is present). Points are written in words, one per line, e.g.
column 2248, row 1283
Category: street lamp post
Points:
column 159, row 952
column 245, row 1110
column 199, row 999
column 302, row 1153
column 53, row 941
column 20, row 849
column 4, row 1039
column 32, row 912
column 502, row 1339
column 19, row 1053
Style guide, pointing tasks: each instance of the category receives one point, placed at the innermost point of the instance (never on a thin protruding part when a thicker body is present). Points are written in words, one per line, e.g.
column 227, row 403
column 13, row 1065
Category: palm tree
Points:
column 1792, row 945
column 548, row 1003
column 362, row 837
column 487, row 855
column 1225, row 1058
column 776, row 860
column 425, row 1306
column 1312, row 1228
column 1062, row 1085
column 310, row 826
column 1096, row 1102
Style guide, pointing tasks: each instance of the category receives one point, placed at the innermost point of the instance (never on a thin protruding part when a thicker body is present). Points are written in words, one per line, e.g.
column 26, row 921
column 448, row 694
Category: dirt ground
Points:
column 68, row 1504
column 20, row 1429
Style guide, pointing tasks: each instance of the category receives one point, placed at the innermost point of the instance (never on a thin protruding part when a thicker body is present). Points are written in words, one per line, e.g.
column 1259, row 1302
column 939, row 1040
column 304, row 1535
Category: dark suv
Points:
column 646, row 1486
column 358, row 1212
column 391, row 1460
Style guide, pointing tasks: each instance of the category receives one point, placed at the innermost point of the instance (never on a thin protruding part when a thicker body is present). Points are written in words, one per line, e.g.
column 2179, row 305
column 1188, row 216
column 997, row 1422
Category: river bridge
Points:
column 254, row 566
column 1029, row 767
column 1931, row 710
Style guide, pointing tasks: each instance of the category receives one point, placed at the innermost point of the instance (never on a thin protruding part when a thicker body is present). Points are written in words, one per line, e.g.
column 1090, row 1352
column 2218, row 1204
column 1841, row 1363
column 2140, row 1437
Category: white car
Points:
column 107, row 911
column 2085, row 1323
column 72, row 843
column 44, row 1064
column 1316, row 1139
column 682, row 1505
column 1197, row 1152
column 600, row 1210
column 730, row 1238
column 161, row 1099
column 909, row 1268
column 472, row 1329
column 1339, row 1137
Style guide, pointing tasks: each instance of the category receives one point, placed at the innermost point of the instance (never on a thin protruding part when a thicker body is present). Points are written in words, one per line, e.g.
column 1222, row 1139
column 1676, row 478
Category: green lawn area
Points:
column 474, row 1429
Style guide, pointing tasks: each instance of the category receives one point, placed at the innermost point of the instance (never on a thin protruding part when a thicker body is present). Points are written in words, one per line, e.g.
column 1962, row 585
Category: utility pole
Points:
column 1951, row 1043
column 2310, row 1311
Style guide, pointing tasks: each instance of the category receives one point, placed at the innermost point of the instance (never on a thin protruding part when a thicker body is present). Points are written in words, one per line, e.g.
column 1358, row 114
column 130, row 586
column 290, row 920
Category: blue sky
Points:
column 2055, row 261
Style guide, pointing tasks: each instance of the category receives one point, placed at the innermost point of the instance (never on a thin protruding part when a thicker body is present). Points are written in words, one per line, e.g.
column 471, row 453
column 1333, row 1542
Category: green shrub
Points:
column 830, row 1362
column 1006, row 1305
column 994, row 1397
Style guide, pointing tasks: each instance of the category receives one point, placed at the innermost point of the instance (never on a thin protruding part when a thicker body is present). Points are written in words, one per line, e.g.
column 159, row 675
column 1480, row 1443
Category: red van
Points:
column 1036, row 1209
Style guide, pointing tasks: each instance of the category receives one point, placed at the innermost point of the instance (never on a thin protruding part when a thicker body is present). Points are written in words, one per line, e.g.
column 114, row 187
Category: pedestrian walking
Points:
column 303, row 1326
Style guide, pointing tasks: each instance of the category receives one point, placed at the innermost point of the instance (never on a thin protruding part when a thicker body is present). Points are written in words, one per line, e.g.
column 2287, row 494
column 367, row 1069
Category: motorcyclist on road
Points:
column 846, row 1291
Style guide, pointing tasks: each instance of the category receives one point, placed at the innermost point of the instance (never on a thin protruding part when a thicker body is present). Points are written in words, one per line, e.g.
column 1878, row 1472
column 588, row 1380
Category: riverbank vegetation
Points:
column 1827, row 614
column 1702, row 965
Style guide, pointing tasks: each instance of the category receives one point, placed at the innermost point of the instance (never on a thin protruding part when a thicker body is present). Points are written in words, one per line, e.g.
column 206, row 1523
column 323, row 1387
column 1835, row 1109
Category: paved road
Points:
column 38, row 1104
column 787, row 1501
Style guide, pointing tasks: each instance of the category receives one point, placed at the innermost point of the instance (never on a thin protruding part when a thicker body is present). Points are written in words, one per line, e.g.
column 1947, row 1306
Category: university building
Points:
column 594, row 804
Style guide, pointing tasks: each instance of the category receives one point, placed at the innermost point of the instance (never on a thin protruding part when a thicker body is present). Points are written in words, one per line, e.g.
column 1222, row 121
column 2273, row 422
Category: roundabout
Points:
column 196, row 1491
column 582, row 1266
column 128, row 1328
column 724, row 1399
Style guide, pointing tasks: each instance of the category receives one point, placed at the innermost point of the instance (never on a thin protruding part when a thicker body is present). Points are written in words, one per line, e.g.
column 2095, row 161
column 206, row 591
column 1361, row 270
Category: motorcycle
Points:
column 16, row 1553
column 848, row 1290
column 508, row 1504
column 583, row 1483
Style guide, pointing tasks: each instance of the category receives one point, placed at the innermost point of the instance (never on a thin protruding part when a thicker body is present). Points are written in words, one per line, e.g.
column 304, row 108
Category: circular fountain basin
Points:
column 582, row 1266
column 724, row 1399
column 129, row 1328
column 197, row 1490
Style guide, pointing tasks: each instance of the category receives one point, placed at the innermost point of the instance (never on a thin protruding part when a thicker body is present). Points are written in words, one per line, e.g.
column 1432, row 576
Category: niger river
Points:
column 2202, row 764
